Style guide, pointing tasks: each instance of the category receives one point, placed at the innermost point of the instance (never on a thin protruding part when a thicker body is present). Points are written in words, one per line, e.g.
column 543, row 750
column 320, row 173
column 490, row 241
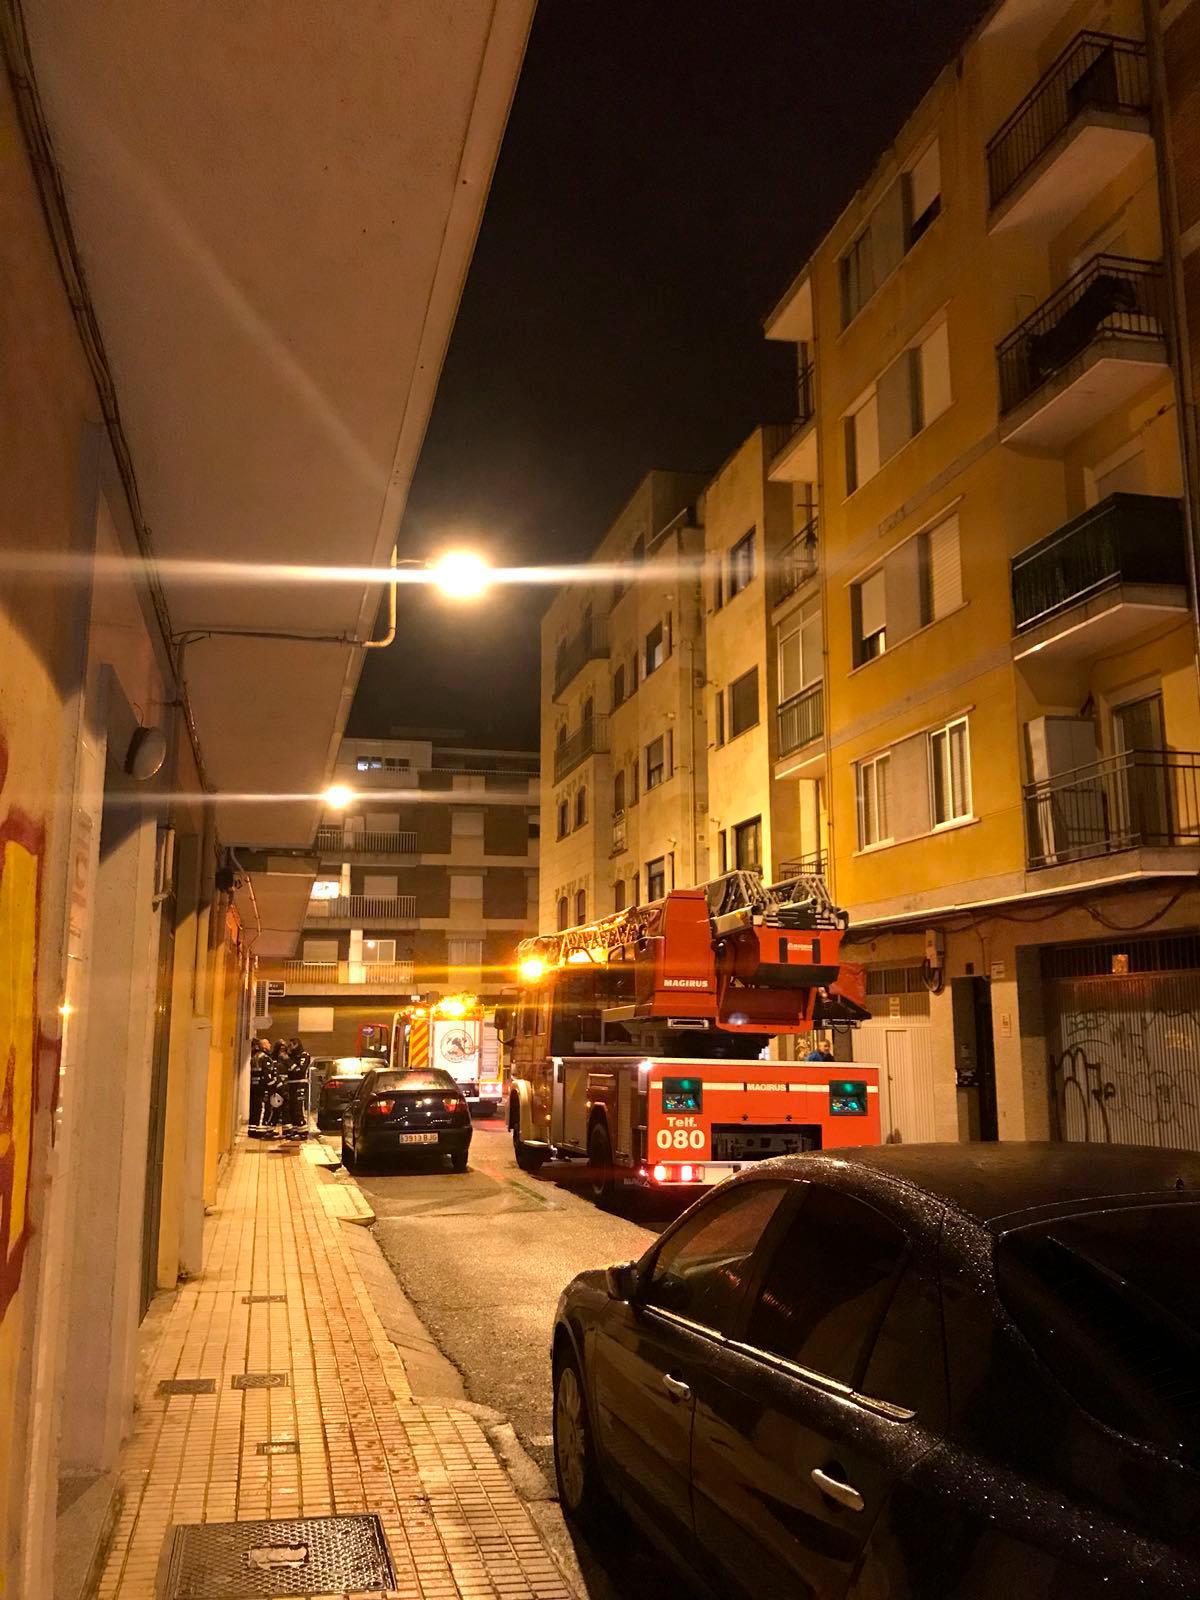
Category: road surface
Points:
column 483, row 1256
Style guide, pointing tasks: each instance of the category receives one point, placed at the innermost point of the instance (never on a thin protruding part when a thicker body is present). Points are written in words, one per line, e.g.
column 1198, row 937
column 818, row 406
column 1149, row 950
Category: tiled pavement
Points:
column 453, row 1522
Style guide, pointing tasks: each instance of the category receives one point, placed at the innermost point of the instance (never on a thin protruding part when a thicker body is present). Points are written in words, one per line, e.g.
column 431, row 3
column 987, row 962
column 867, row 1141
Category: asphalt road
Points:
column 483, row 1256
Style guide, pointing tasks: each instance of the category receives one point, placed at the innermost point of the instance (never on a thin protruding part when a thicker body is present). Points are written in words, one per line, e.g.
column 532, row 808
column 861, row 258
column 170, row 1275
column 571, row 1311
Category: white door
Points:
column 906, row 1111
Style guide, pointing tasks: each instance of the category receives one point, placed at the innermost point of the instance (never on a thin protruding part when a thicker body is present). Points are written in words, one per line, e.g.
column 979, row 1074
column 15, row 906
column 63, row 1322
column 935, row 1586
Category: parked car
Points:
column 948, row 1372
column 340, row 1080
column 405, row 1113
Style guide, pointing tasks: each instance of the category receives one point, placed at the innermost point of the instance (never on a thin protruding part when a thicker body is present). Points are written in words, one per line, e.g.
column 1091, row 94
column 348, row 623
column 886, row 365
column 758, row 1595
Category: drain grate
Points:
column 296, row 1556
column 188, row 1386
column 277, row 1447
column 259, row 1380
column 264, row 1299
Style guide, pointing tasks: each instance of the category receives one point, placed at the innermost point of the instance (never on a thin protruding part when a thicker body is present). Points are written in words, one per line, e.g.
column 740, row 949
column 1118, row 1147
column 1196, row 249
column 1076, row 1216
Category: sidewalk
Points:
column 341, row 1429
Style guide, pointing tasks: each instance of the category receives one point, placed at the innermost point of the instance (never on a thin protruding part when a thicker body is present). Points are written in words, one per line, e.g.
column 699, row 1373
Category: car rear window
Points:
column 414, row 1080
column 1111, row 1304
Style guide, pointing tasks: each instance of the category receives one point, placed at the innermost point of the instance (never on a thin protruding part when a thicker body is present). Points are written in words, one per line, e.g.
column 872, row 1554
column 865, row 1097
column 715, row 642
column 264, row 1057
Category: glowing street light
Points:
column 461, row 574
column 338, row 796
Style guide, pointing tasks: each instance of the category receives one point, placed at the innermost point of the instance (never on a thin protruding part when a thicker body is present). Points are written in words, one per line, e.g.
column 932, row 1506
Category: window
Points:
column 741, row 564
column 320, row 950
column 747, row 845
column 564, row 913
column 587, row 712
column 658, row 761
column 899, row 1368
column 618, row 686
column 923, row 193
column 379, row 950
column 702, row 1270
column 932, row 384
column 619, row 793
column 827, row 1285
column 940, row 570
column 722, row 852
column 580, row 807
column 619, row 895
column 872, row 781
column 464, row 953
column 535, row 828
column 856, row 276
column 657, row 649
column 862, row 442
column 800, row 650
column 743, row 703
column 580, row 906
column 564, row 819
column 363, row 764
column 325, row 889
column 869, row 616
column 560, row 734
column 718, row 587
column 950, row 773
column 633, row 782
column 656, row 878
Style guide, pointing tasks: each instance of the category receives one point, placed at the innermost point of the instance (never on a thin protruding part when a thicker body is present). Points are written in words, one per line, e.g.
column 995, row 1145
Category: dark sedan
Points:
column 406, row 1113
column 915, row 1371
column 341, row 1079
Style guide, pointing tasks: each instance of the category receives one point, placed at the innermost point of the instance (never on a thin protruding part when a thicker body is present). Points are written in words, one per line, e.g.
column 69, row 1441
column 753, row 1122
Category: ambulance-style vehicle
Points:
column 453, row 1034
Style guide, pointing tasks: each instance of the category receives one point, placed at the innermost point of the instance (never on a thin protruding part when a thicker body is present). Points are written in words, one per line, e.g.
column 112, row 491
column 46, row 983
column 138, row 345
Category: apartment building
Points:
column 426, row 880
column 623, row 715
column 989, row 428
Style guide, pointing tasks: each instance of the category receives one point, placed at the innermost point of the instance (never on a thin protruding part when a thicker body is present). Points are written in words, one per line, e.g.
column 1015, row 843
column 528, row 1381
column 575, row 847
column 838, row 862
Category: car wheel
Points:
column 458, row 1160
column 580, row 1489
column 602, row 1185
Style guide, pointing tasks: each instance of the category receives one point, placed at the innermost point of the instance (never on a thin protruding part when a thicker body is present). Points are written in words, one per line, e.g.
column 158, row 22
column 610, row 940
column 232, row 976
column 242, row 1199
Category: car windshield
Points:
column 415, row 1080
column 1111, row 1304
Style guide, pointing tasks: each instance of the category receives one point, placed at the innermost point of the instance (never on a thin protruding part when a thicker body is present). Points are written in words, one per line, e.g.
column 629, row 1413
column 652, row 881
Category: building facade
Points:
column 426, row 879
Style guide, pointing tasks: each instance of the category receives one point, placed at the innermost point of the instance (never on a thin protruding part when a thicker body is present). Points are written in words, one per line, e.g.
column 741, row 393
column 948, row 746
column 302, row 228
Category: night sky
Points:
column 668, row 166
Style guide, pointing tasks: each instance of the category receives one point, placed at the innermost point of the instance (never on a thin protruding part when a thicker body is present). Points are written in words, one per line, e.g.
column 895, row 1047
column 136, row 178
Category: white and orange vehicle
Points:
column 639, row 1042
column 456, row 1035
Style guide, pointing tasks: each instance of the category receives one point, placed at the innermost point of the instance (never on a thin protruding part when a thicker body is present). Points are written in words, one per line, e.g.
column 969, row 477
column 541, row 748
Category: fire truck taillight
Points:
column 659, row 1174
column 685, row 1174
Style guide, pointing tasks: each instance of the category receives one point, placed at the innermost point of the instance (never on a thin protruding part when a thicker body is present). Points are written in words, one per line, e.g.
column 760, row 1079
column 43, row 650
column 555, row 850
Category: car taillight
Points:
column 380, row 1108
column 453, row 1102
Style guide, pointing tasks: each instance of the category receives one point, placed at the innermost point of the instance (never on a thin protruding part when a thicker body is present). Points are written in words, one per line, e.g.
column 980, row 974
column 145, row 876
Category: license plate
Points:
column 417, row 1138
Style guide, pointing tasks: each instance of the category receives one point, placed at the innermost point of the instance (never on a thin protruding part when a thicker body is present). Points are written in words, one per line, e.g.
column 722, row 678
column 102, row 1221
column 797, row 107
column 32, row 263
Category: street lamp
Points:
column 461, row 574
column 338, row 796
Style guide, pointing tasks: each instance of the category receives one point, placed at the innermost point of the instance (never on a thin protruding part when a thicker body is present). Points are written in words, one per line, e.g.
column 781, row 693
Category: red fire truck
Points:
column 639, row 1042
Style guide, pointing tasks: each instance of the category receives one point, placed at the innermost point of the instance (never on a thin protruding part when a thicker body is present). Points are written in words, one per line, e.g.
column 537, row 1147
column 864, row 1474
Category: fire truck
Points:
column 453, row 1034
column 639, row 1042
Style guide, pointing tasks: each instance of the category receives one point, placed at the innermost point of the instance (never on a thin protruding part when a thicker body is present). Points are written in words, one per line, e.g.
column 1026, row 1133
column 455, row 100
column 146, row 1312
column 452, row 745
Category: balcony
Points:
column 796, row 460
column 801, row 722
column 796, row 564
column 1138, row 800
column 1084, row 120
column 1101, row 580
column 346, row 842
column 1088, row 349
column 363, row 910
column 319, row 977
column 815, row 865
column 589, row 644
column 589, row 739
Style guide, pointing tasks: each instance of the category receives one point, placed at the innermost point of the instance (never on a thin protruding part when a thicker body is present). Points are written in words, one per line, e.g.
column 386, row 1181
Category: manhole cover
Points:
column 259, row 1380
column 188, row 1386
column 264, row 1299
column 301, row 1555
column 278, row 1447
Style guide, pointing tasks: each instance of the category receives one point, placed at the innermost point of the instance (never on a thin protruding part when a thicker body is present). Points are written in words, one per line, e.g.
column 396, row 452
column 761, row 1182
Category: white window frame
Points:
column 957, row 819
column 871, row 766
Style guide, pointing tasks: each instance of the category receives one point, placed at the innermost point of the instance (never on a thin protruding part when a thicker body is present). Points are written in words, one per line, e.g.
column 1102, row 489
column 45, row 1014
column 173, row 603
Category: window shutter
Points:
column 810, row 647
column 925, row 181
column 894, row 401
column 866, row 440
column 935, row 374
column 945, row 568
column 872, row 606
column 887, row 231
column 791, row 664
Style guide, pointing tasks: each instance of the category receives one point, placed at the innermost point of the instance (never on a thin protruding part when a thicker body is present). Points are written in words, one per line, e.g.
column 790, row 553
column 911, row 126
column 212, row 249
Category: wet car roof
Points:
column 991, row 1181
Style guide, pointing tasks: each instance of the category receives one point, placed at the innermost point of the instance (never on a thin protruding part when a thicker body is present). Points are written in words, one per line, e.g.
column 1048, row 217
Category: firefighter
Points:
column 296, row 1064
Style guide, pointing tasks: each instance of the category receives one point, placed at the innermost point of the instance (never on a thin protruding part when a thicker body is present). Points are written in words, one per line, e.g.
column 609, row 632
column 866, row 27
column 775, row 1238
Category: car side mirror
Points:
column 621, row 1280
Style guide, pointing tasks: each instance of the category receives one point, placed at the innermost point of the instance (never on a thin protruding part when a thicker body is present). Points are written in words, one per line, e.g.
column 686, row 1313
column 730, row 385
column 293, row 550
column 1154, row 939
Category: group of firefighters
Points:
column 279, row 1078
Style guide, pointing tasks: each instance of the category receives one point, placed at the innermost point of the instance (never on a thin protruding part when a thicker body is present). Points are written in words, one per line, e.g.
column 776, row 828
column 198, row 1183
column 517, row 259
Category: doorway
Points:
column 985, row 1058
column 1142, row 796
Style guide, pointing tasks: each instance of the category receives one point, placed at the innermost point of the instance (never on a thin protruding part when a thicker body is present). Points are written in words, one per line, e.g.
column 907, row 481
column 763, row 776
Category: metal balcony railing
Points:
column 1111, row 297
column 797, row 562
column 815, row 865
column 802, row 718
column 349, row 972
column 1128, row 538
column 352, row 907
column 310, row 971
column 806, row 395
column 589, row 644
column 589, row 739
column 1138, row 799
column 367, row 841
column 1096, row 72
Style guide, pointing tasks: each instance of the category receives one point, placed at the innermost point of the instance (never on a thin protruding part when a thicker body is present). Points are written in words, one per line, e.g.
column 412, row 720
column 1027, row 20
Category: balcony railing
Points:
column 353, row 907
column 1138, row 799
column 797, row 562
column 1096, row 72
column 366, row 841
column 802, row 718
column 589, row 739
column 806, row 395
column 398, row 973
column 589, row 644
column 1111, row 297
column 311, row 971
column 814, row 865
column 1128, row 538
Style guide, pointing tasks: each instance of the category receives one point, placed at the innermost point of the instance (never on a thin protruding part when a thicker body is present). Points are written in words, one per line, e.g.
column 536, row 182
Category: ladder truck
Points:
column 639, row 1042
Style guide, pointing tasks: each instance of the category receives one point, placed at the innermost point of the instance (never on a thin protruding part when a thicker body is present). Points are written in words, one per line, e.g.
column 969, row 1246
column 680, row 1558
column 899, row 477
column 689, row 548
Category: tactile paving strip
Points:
column 296, row 1556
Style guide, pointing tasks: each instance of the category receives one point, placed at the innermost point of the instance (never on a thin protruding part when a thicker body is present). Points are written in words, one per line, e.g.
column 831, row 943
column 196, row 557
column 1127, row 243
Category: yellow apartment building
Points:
column 622, row 714
column 989, row 433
